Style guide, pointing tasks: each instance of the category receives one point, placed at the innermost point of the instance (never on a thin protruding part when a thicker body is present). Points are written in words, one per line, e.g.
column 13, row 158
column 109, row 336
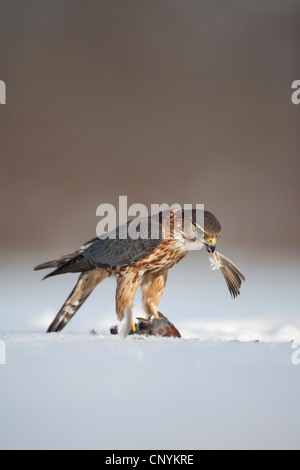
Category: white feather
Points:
column 215, row 263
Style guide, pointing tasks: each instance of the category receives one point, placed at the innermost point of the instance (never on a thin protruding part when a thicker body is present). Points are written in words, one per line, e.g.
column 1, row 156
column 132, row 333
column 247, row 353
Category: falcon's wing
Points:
column 116, row 252
column 231, row 273
column 57, row 262
column 105, row 252
column 124, row 249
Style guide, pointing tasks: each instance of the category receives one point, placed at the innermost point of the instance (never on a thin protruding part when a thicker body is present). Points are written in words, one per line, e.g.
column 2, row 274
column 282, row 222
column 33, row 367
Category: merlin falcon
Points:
column 145, row 260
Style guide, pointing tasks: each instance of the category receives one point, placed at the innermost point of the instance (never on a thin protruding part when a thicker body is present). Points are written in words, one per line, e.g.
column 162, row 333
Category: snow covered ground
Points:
column 215, row 388
column 81, row 391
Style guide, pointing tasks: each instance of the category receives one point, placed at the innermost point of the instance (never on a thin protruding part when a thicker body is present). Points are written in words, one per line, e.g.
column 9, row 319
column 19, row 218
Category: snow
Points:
column 230, row 382
column 79, row 391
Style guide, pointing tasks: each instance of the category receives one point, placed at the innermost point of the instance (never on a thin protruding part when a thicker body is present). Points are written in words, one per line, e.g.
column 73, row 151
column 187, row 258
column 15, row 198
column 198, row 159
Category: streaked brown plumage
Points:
column 143, row 261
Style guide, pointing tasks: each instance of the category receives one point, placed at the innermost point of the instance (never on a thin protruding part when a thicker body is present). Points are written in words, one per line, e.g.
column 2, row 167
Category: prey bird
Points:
column 143, row 260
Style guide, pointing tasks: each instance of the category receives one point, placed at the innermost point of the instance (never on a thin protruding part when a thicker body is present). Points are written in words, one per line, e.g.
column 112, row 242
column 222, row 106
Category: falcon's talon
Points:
column 133, row 326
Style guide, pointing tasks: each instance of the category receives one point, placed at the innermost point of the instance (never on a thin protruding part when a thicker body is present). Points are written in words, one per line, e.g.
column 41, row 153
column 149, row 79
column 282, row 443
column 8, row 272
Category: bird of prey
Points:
column 143, row 260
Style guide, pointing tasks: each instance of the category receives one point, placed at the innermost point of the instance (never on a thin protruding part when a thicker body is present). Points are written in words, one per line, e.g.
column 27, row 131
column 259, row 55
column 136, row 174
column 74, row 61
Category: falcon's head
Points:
column 211, row 230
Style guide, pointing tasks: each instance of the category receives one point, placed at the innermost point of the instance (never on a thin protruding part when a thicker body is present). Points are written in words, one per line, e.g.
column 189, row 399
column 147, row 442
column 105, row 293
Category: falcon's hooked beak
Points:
column 210, row 244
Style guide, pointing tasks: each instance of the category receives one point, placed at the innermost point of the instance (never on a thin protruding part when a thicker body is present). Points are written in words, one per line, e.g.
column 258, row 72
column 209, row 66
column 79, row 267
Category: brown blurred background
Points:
column 161, row 100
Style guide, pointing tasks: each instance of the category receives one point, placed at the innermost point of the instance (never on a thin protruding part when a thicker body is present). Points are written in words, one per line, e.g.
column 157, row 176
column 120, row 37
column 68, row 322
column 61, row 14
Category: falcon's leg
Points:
column 84, row 287
column 127, row 285
column 152, row 286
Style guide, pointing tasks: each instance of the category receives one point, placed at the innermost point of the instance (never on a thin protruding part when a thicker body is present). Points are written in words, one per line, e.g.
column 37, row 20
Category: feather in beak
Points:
column 231, row 273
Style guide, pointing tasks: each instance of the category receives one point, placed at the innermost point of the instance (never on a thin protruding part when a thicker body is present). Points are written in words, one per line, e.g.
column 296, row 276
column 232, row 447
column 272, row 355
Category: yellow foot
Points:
column 133, row 327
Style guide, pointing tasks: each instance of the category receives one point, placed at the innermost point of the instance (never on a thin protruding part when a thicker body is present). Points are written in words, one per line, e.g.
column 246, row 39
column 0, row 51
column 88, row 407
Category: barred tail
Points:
column 84, row 287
